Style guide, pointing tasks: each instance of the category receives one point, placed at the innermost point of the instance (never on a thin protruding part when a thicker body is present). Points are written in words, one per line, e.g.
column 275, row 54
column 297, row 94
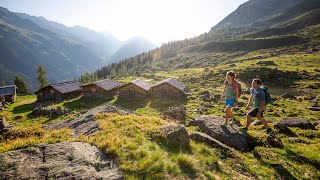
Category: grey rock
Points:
column 176, row 135
column 288, row 96
column 229, row 135
column 204, row 138
column 68, row 160
column 177, row 113
column 295, row 122
column 85, row 123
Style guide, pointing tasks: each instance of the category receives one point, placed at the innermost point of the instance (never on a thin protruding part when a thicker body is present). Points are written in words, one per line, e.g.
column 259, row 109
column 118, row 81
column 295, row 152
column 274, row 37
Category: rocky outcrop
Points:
column 295, row 122
column 229, row 135
column 68, row 160
column 42, row 111
column 204, row 138
column 178, row 113
column 85, row 123
column 176, row 135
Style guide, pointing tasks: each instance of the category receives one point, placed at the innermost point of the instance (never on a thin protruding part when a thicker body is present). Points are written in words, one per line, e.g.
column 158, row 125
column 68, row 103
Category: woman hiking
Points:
column 231, row 93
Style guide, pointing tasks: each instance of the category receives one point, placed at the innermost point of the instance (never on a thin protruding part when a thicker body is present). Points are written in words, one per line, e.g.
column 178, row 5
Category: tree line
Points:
column 22, row 87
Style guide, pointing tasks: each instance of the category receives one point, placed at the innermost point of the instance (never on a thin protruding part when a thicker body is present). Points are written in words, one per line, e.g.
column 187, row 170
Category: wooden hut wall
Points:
column 166, row 90
column 49, row 94
column 94, row 90
column 131, row 90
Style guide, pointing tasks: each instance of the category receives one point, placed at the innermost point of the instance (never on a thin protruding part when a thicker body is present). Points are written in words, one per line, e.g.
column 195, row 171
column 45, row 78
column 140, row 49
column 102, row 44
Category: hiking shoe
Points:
column 225, row 123
column 270, row 131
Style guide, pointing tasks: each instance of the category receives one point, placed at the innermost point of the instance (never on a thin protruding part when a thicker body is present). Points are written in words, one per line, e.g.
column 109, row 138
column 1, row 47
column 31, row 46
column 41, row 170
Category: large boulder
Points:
column 229, row 135
column 176, row 135
column 178, row 113
column 3, row 123
column 204, row 138
column 68, row 160
column 295, row 122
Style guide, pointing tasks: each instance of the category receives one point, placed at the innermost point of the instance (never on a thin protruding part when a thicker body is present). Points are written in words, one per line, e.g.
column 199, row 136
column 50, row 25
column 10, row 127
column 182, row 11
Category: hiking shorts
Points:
column 254, row 112
column 229, row 102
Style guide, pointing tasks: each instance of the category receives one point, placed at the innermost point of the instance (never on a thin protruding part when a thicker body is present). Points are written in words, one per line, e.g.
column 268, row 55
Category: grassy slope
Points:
column 128, row 137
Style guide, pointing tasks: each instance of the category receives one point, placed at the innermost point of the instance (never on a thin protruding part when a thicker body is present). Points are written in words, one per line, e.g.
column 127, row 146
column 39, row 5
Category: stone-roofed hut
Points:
column 135, row 89
column 59, row 92
column 106, row 88
column 169, row 88
column 9, row 93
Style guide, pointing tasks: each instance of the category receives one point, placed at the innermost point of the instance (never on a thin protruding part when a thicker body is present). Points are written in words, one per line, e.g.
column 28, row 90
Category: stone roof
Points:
column 64, row 87
column 106, row 84
column 8, row 90
column 173, row 82
column 141, row 83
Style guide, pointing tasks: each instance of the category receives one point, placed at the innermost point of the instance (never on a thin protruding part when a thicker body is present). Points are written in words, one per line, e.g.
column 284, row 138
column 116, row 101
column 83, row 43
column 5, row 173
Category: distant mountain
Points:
column 132, row 47
column 25, row 44
column 257, row 15
column 103, row 45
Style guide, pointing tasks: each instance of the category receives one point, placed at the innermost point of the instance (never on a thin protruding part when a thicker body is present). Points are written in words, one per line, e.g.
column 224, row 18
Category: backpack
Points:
column 239, row 85
column 267, row 94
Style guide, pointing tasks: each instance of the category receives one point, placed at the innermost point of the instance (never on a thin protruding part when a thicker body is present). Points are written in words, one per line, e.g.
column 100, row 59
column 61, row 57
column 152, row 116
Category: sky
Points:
column 159, row 21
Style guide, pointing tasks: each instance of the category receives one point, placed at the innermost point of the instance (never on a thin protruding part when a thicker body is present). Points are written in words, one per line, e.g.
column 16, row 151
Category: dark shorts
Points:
column 253, row 112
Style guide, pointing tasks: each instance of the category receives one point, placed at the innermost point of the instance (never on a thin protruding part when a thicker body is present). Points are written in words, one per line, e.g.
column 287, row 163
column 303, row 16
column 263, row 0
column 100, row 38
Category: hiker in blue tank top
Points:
column 231, row 93
column 257, row 100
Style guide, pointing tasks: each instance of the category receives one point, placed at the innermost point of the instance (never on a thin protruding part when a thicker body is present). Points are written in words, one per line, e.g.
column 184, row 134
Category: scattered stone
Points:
column 41, row 111
column 257, row 122
column 295, row 122
column 314, row 108
column 67, row 160
column 18, row 117
column 232, row 65
column 216, row 97
column 176, row 135
column 266, row 63
column 295, row 140
column 178, row 113
column 288, row 96
column 229, row 135
column 274, row 141
column 284, row 130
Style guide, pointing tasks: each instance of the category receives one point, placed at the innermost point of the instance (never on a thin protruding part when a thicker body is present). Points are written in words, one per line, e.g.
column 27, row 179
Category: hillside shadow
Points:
column 272, row 77
column 24, row 108
column 301, row 159
column 85, row 103
column 132, row 103
column 163, row 104
column 281, row 171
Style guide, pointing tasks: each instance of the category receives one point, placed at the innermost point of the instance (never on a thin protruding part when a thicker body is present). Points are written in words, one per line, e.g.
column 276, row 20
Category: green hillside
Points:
column 283, row 52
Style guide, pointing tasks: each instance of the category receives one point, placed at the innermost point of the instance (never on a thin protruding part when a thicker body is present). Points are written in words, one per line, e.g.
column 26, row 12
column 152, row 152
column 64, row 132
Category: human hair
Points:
column 259, row 82
column 232, row 74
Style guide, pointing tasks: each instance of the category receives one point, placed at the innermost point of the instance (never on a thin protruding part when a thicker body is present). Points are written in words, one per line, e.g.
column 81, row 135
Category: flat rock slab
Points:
column 85, row 123
column 229, row 135
column 67, row 160
column 204, row 138
column 295, row 122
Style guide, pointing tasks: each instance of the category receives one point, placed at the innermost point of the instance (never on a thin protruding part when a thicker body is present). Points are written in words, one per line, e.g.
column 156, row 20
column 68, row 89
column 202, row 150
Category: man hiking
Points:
column 258, row 98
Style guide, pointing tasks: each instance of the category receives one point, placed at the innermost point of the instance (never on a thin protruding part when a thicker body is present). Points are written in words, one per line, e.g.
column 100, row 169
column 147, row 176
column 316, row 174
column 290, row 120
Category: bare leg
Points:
column 228, row 108
column 263, row 121
column 249, row 121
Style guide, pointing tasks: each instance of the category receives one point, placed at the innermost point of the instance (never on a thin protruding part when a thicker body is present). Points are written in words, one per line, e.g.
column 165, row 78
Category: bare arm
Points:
column 249, row 101
column 223, row 92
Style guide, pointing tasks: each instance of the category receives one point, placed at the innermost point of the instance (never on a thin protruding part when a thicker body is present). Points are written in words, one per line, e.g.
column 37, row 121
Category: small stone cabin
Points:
column 59, row 92
column 135, row 89
column 169, row 88
column 9, row 93
column 106, row 88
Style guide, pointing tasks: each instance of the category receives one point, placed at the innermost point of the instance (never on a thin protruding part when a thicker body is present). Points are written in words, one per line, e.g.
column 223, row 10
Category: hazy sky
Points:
column 157, row 20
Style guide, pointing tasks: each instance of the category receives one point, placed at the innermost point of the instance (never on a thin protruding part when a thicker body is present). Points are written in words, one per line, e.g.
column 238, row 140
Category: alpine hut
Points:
column 9, row 93
column 59, row 92
column 135, row 89
column 106, row 88
column 170, row 88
